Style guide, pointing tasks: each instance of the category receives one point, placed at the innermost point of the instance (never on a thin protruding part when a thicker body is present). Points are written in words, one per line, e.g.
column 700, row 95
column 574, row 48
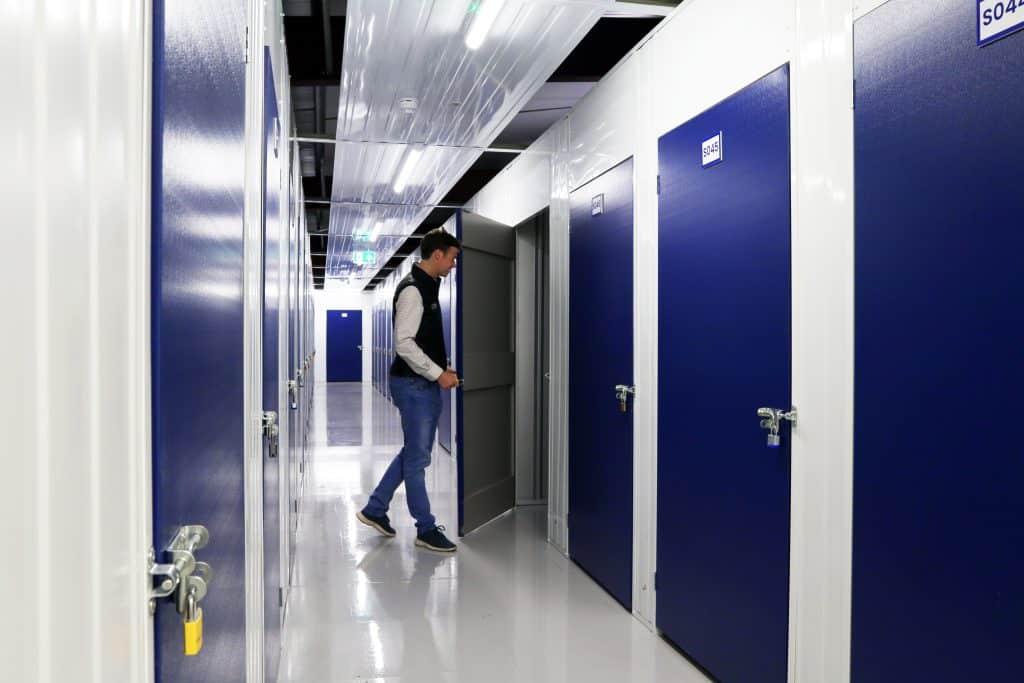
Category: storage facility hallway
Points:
column 512, row 341
column 506, row 607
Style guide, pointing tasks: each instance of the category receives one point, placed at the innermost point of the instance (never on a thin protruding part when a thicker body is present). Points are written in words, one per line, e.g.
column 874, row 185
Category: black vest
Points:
column 430, row 335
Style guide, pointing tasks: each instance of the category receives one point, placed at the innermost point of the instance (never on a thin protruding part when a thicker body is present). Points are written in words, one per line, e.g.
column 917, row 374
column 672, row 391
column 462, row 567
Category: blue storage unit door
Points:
column 938, row 535
column 197, row 320
column 344, row 340
column 272, row 243
column 600, row 358
column 724, row 352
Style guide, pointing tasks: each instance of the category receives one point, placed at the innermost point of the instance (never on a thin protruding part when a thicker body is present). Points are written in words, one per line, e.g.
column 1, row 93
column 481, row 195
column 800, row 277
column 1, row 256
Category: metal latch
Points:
column 183, row 576
column 293, row 400
column 622, row 393
column 169, row 576
column 772, row 419
column 272, row 431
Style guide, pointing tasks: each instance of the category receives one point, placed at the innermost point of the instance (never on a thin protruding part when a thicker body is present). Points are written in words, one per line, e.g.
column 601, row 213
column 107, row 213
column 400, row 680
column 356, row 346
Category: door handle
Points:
column 771, row 419
column 273, row 432
column 622, row 393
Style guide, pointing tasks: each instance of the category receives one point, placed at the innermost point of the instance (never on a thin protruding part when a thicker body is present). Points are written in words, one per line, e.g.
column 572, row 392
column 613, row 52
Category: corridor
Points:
column 506, row 607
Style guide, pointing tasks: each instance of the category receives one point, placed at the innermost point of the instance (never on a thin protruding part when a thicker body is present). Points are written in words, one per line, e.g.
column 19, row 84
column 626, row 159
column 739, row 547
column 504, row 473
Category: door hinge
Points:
column 659, row 183
column 280, row 596
column 295, row 504
column 655, row 582
column 246, row 44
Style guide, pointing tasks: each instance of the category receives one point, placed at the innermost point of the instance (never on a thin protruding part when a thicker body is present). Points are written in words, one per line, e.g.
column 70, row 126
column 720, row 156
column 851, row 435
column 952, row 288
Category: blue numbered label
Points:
column 999, row 18
column 711, row 151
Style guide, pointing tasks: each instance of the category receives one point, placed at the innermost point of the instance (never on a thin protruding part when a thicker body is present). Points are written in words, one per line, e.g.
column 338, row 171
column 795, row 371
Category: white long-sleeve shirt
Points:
column 408, row 315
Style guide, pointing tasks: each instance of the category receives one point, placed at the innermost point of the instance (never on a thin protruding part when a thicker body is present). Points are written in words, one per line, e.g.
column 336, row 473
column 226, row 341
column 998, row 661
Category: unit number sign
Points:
column 998, row 18
column 711, row 151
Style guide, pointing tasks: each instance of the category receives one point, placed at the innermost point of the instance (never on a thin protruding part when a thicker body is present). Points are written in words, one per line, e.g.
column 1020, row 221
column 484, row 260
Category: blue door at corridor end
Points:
column 723, row 352
column 344, row 351
column 197, row 321
column 601, row 357
column 938, row 524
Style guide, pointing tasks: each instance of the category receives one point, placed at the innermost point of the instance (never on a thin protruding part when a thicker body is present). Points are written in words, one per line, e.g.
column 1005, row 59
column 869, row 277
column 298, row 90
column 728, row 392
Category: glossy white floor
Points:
column 507, row 607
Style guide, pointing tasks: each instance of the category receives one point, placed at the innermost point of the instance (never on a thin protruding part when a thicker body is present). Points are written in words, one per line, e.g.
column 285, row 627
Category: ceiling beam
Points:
column 642, row 8
column 317, row 138
column 339, row 202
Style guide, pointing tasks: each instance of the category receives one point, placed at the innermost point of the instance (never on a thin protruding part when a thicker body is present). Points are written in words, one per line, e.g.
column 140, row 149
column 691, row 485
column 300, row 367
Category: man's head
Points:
column 439, row 250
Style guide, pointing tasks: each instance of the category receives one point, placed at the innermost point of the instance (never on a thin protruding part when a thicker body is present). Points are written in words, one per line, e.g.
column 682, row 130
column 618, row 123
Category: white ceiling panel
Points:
column 425, row 86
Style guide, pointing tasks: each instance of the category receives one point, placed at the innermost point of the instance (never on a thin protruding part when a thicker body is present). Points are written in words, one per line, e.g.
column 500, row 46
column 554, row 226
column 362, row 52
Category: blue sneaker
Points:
column 381, row 524
column 435, row 540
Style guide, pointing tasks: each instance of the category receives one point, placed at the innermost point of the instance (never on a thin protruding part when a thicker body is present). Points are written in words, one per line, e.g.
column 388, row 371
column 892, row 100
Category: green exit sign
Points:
column 365, row 258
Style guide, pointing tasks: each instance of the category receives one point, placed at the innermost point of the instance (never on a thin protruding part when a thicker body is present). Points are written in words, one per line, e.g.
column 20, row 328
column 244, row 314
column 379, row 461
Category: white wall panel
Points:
column 823, row 285
column 603, row 127
column 706, row 51
column 74, row 354
column 530, row 175
column 558, row 330
column 862, row 7
column 710, row 50
column 645, row 344
column 274, row 39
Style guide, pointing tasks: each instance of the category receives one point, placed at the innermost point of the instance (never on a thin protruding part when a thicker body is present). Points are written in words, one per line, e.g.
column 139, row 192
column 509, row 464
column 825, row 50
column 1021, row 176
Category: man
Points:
column 417, row 379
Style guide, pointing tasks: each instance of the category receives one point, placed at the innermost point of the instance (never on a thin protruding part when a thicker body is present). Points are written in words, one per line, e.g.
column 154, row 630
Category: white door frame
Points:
column 76, row 491
column 253, row 343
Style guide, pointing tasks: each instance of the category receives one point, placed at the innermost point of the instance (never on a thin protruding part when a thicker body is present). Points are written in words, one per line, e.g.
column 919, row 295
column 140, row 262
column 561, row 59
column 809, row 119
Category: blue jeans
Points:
column 419, row 402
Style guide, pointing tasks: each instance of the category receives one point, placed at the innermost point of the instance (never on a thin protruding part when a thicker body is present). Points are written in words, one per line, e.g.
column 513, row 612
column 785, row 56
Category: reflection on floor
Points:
column 507, row 607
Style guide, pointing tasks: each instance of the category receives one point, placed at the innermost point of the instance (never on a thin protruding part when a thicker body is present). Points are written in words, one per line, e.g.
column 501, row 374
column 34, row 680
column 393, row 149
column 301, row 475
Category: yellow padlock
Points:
column 193, row 627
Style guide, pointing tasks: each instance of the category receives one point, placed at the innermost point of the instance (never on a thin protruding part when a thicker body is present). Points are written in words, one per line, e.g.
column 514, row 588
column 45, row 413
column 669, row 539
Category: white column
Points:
column 822, row 493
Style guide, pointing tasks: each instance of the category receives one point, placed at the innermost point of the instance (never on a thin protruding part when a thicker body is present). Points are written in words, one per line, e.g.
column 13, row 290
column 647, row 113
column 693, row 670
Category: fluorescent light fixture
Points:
column 412, row 158
column 376, row 231
column 486, row 12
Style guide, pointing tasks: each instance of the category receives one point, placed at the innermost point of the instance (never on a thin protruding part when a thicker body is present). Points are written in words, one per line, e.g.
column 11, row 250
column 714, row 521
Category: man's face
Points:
column 446, row 260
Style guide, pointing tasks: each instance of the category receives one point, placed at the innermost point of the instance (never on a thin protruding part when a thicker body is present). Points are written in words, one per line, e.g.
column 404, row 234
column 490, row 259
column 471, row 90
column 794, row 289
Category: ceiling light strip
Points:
column 486, row 12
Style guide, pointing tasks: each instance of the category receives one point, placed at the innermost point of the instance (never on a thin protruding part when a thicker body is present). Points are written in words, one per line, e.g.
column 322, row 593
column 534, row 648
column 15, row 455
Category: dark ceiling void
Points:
column 307, row 58
column 315, row 44
column 311, row 187
column 608, row 41
column 318, row 257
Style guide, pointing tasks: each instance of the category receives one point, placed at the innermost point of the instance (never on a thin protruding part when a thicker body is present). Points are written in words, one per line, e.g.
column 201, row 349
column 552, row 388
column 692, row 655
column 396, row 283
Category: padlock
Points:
column 622, row 404
column 193, row 625
column 773, row 440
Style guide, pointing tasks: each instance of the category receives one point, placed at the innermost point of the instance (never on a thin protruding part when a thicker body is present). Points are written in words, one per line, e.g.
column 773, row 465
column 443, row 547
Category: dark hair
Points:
column 438, row 238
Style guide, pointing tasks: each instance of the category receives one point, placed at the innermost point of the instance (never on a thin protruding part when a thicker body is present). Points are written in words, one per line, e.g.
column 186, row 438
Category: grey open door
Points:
column 486, row 319
column 532, row 360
